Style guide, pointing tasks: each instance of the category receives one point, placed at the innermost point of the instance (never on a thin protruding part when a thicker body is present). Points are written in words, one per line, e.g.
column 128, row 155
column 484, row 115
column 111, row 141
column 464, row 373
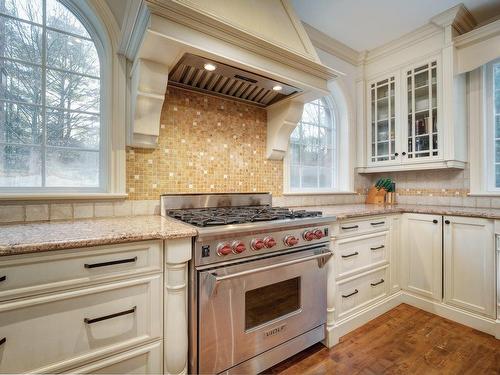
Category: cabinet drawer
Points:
column 52, row 271
column 355, row 293
column 363, row 225
column 61, row 331
column 147, row 359
column 355, row 254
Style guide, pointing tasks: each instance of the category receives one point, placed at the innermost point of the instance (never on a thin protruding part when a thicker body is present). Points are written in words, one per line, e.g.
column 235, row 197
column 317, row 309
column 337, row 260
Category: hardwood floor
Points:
column 405, row 340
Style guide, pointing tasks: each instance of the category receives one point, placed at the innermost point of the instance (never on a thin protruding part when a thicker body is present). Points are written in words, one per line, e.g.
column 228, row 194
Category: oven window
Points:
column 271, row 302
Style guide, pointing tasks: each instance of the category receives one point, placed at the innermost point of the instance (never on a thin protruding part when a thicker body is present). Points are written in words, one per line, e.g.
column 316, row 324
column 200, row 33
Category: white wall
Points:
column 343, row 91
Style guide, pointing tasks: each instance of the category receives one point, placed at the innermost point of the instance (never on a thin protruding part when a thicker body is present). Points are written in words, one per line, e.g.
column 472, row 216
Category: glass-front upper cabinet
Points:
column 422, row 137
column 382, row 99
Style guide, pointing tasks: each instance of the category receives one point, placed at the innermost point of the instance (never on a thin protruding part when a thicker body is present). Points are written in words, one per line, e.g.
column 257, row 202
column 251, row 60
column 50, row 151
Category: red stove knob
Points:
column 224, row 249
column 290, row 240
column 238, row 247
column 318, row 234
column 309, row 235
column 257, row 244
column 269, row 242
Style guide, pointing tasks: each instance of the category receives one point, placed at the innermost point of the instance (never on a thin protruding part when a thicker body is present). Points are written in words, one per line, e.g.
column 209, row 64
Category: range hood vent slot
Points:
column 227, row 81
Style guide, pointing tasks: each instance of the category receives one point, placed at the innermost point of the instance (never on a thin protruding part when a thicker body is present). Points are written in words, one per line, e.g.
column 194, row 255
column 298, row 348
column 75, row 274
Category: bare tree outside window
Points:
column 313, row 149
column 49, row 98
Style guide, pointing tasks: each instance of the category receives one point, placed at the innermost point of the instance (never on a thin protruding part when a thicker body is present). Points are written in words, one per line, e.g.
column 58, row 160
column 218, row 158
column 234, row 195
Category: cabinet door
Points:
column 382, row 131
column 422, row 255
column 422, row 113
column 469, row 264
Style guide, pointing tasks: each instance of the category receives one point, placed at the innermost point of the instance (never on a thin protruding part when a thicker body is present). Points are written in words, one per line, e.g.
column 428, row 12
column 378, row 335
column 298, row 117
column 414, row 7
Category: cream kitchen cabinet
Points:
column 361, row 276
column 383, row 121
column 450, row 260
column 105, row 309
column 422, row 255
column 404, row 118
column 469, row 264
column 412, row 112
column 147, row 359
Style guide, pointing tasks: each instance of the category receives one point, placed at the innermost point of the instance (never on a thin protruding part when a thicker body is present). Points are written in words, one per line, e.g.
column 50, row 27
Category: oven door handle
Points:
column 213, row 280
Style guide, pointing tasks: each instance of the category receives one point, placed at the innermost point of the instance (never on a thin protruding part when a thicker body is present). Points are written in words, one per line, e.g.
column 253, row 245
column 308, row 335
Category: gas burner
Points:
column 204, row 217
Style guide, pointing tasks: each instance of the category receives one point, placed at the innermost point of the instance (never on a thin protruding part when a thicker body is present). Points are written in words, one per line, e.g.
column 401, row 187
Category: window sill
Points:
column 491, row 194
column 60, row 196
column 291, row 193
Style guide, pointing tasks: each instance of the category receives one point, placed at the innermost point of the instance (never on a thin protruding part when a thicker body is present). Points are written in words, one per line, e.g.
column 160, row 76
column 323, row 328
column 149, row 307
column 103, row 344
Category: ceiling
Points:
column 366, row 24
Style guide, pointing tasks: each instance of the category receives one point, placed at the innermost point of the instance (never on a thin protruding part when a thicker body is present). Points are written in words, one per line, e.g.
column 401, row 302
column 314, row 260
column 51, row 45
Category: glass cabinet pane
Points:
column 383, row 120
column 422, row 111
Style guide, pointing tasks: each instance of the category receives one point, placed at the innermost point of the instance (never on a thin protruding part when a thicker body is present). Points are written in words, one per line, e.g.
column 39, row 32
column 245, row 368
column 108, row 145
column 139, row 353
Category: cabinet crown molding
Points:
column 458, row 17
column 332, row 46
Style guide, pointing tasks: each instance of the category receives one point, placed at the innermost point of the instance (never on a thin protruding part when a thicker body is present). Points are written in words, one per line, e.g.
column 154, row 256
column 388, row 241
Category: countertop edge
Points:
column 19, row 249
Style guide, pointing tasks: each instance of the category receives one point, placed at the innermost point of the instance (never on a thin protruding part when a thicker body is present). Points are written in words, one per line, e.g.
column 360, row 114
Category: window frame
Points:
column 288, row 190
column 104, row 32
column 481, row 102
column 489, row 121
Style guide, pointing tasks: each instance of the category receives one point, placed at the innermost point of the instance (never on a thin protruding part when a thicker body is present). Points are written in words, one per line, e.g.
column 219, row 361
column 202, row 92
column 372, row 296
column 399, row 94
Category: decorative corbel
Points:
column 281, row 121
column 148, row 86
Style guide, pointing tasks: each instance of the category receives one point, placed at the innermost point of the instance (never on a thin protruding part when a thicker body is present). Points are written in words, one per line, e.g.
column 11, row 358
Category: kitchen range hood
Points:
column 254, row 51
column 227, row 81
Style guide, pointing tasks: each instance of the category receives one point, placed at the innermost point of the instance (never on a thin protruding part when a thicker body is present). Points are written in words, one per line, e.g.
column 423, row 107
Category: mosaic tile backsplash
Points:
column 206, row 144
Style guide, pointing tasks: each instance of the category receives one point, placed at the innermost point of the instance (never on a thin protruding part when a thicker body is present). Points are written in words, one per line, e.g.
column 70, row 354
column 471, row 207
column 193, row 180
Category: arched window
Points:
column 312, row 155
column 50, row 95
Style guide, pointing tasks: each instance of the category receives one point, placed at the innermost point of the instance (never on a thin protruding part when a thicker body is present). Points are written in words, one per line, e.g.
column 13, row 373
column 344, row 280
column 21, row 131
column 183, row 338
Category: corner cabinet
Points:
column 450, row 261
column 421, row 271
column 469, row 264
column 405, row 120
column 413, row 115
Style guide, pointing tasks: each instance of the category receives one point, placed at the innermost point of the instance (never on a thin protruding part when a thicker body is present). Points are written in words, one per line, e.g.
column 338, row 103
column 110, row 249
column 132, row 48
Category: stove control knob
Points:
column 238, row 247
column 318, row 234
column 290, row 240
column 257, row 244
column 224, row 249
column 309, row 235
column 269, row 242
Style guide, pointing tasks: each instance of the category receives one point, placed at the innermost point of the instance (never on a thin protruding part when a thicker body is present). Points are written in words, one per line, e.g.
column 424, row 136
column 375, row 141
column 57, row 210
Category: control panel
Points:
column 246, row 245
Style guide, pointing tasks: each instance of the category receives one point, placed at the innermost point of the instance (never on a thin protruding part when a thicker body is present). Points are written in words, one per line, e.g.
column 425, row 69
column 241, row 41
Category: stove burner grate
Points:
column 203, row 217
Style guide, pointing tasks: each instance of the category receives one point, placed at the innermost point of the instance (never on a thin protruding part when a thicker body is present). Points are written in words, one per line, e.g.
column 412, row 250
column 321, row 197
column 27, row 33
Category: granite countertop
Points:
column 346, row 211
column 57, row 235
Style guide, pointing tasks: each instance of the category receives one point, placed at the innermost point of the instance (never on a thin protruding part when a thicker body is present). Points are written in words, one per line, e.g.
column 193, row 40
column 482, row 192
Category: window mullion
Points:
column 44, row 93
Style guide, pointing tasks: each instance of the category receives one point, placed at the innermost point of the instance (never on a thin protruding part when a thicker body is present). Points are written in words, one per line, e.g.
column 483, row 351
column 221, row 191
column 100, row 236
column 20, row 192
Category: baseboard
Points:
column 481, row 323
column 344, row 326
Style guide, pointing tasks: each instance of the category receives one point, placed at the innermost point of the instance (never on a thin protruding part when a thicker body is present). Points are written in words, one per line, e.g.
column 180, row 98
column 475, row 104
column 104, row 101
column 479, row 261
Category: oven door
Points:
column 248, row 308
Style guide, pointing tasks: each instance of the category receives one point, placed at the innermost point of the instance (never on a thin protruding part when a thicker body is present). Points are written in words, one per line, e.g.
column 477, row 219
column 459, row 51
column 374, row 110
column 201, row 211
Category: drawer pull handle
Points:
column 350, row 295
column 377, row 283
column 111, row 316
column 3, row 341
column 350, row 255
column 378, row 223
column 3, row 278
column 351, row 227
column 111, row 263
column 377, row 248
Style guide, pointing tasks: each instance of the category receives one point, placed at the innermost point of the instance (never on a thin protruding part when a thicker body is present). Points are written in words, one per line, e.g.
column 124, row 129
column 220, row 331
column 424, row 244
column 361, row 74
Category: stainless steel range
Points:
column 257, row 280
